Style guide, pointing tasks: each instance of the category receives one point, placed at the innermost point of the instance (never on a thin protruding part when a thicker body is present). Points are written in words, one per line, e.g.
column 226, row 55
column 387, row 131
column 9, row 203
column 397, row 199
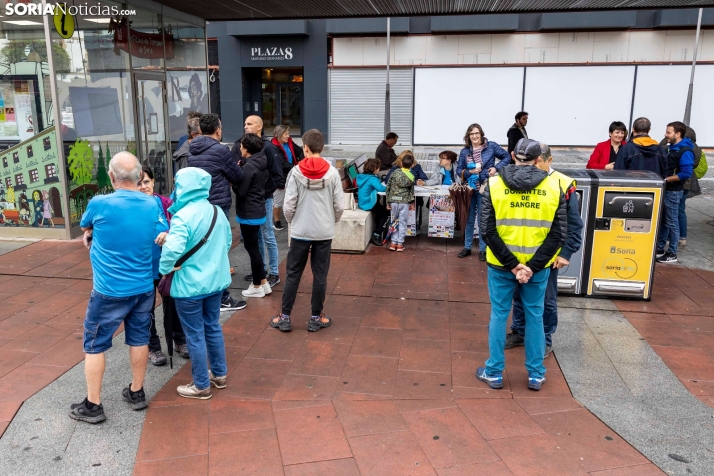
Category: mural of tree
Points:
column 81, row 162
column 14, row 52
column 103, row 181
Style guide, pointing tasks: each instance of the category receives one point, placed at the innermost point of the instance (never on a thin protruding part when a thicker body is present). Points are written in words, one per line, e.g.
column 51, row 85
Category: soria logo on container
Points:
column 23, row 8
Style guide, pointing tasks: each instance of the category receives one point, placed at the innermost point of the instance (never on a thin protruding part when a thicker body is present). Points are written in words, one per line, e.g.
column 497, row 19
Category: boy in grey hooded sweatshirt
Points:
column 313, row 204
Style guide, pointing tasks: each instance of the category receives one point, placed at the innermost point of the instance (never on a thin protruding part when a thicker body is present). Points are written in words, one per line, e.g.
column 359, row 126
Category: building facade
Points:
column 573, row 72
column 75, row 90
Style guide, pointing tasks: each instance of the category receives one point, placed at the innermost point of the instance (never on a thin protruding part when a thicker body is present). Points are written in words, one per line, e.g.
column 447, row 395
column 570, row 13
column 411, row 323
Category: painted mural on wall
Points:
column 87, row 169
column 31, row 190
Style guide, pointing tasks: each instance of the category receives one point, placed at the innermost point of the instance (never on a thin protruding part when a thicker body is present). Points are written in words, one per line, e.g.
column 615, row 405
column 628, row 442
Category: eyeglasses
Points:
column 474, row 133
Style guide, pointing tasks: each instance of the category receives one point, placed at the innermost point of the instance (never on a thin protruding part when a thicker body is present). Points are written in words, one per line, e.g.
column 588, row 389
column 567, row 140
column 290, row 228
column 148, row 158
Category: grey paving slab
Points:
column 7, row 246
column 614, row 373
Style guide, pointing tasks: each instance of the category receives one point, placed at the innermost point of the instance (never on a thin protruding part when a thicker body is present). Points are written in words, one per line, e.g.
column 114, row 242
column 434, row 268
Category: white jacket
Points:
column 313, row 206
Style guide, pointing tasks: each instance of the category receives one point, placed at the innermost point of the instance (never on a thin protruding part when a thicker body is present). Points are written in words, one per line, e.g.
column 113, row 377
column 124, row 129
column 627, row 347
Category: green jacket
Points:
column 400, row 189
column 206, row 272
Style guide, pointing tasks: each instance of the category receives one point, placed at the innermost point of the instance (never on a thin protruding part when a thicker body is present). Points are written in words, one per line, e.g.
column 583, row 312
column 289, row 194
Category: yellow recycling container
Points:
column 624, row 233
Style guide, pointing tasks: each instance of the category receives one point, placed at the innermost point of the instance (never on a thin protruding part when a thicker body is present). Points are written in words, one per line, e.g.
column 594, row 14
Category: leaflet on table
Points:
column 441, row 216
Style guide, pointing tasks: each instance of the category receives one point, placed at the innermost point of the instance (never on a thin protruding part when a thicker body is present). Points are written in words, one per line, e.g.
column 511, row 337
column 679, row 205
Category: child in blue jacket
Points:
column 368, row 185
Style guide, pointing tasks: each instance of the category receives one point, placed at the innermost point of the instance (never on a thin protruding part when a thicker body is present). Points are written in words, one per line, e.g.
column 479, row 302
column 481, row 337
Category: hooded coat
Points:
column 250, row 191
column 368, row 186
column 216, row 159
column 523, row 178
column 207, row 271
column 642, row 153
column 314, row 200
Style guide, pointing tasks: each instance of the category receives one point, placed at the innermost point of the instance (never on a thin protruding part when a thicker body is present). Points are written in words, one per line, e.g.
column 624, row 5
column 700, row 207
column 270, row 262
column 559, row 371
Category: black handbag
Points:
column 164, row 285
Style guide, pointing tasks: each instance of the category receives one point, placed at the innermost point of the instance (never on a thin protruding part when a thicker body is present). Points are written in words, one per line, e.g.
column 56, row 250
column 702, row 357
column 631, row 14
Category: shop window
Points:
column 34, row 176
column 16, row 157
column 19, row 180
column 4, row 162
column 50, row 171
column 8, row 182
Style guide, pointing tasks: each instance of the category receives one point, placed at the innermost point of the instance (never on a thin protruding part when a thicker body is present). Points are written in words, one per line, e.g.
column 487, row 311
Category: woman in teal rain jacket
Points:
column 197, row 286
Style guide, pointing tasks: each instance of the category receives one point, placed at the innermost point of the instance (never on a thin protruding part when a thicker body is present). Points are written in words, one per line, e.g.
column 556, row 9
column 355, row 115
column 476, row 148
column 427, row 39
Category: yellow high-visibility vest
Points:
column 523, row 218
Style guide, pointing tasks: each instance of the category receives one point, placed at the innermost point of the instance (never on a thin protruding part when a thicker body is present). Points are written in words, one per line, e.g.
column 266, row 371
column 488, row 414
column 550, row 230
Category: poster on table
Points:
column 30, row 187
column 411, row 220
column 442, row 213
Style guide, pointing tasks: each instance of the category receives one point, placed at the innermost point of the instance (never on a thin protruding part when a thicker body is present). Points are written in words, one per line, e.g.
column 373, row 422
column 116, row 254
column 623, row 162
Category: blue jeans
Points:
column 267, row 238
column 669, row 229
column 226, row 293
column 474, row 208
column 683, row 215
column 501, row 286
column 204, row 336
column 550, row 312
column 106, row 313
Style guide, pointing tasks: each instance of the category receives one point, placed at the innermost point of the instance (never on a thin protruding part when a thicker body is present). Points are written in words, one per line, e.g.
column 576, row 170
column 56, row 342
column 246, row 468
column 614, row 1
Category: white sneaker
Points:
column 266, row 288
column 254, row 292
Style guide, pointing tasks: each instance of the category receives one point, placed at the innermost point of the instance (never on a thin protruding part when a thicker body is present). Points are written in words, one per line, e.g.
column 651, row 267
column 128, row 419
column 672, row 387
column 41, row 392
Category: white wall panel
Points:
column 661, row 95
column 574, row 105
column 447, row 100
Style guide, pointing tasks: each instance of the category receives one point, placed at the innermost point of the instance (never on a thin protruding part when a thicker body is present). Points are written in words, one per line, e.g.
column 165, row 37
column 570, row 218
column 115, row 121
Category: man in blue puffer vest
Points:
column 207, row 153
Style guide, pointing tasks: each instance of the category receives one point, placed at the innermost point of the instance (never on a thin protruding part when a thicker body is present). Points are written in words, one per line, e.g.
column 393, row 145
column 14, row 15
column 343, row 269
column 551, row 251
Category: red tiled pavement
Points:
column 43, row 295
column 679, row 325
column 388, row 389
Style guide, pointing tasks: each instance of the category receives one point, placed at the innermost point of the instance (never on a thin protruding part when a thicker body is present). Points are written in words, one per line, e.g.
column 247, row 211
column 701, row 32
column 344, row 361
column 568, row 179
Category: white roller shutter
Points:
column 357, row 105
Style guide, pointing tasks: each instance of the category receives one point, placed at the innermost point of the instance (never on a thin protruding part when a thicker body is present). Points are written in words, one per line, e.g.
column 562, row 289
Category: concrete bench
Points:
column 354, row 230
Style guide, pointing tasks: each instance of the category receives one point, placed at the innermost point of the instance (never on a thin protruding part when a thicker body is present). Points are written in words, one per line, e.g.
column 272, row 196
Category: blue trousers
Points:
column 550, row 311
column 204, row 336
column 683, row 215
column 474, row 208
column 266, row 238
column 669, row 229
column 501, row 286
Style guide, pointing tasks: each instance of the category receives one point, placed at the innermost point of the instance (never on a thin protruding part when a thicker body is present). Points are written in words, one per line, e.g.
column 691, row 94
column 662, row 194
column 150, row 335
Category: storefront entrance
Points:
column 152, row 146
column 276, row 95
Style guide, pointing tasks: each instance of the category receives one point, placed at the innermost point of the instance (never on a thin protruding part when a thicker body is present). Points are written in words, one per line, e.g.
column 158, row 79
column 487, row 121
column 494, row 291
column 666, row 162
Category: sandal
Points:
column 283, row 324
column 316, row 324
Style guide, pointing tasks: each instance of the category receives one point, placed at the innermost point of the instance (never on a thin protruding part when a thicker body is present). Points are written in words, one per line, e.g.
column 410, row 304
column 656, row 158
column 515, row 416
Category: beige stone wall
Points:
column 526, row 48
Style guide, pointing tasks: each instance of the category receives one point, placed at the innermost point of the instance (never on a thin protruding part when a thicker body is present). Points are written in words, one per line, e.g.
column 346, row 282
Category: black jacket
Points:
column 287, row 166
column 522, row 178
column 514, row 134
column 277, row 179
column 216, row 159
column 642, row 153
column 387, row 155
column 250, row 190
column 181, row 156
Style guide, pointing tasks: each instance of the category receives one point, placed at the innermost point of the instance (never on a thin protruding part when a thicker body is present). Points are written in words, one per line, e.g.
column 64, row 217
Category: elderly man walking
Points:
column 119, row 230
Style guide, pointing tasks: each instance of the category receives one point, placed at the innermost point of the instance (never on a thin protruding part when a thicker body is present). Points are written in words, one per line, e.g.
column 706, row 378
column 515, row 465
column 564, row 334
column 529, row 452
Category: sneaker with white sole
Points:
column 667, row 258
column 534, row 383
column 218, row 382
column 253, row 292
column 190, row 391
column 659, row 253
column 493, row 381
column 273, row 280
column 231, row 304
column 266, row 288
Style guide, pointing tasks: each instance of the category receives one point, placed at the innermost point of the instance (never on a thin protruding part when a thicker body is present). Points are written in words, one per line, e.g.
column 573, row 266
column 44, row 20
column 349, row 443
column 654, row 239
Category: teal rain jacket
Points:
column 206, row 272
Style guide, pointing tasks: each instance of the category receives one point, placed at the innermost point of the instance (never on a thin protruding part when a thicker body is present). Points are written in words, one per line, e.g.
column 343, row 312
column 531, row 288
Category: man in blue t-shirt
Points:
column 119, row 229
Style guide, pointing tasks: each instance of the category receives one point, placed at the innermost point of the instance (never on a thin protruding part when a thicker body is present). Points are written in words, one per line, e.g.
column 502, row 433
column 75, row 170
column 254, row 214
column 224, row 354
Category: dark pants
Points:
column 226, row 293
column 250, row 241
column 683, row 216
column 320, row 264
column 550, row 311
column 169, row 307
column 381, row 215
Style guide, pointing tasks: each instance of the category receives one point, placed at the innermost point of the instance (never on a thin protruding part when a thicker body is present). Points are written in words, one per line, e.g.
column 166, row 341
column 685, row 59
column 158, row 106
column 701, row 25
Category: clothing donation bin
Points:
column 570, row 278
column 625, row 209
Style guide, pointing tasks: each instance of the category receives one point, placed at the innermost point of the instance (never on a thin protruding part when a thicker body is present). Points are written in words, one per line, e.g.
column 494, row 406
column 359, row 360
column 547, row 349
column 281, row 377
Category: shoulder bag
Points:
column 164, row 285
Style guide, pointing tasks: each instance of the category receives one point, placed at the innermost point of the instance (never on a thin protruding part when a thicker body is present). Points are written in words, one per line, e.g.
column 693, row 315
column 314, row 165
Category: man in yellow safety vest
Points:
column 523, row 221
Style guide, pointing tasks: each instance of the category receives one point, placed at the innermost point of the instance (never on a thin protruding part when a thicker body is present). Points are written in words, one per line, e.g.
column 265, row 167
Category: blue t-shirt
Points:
column 447, row 177
column 288, row 152
column 124, row 228
column 250, row 221
column 161, row 226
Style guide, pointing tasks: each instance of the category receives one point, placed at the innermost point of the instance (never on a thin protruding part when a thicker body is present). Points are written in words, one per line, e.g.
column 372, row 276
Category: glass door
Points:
column 291, row 107
column 152, row 145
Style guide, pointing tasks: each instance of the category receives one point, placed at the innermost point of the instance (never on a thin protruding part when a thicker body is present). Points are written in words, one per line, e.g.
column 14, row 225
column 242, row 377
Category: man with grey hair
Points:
column 182, row 153
column 119, row 230
column 573, row 241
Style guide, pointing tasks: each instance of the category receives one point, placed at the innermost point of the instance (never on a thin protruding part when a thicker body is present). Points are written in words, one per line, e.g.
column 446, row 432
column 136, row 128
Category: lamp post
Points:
column 688, row 107
column 387, row 119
